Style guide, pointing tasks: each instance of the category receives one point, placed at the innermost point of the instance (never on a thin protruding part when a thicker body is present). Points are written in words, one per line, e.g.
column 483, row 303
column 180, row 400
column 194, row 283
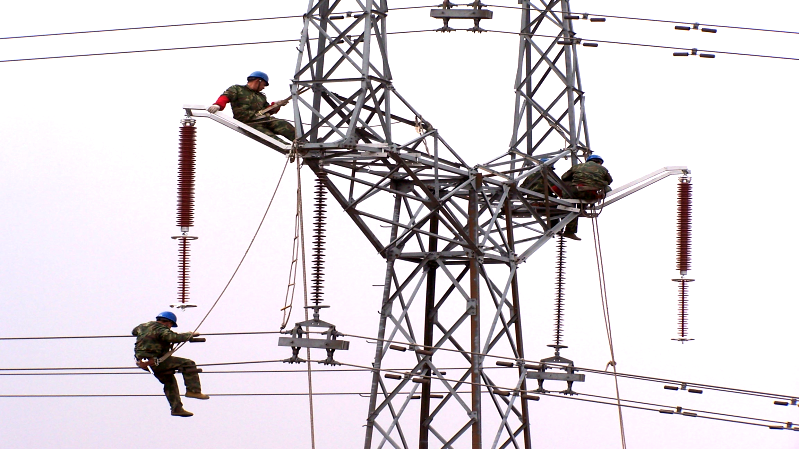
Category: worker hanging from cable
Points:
column 588, row 182
column 250, row 106
column 153, row 349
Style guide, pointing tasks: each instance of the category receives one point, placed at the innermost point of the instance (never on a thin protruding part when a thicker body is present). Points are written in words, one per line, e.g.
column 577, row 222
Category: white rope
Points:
column 161, row 359
column 288, row 301
column 607, row 318
column 305, row 301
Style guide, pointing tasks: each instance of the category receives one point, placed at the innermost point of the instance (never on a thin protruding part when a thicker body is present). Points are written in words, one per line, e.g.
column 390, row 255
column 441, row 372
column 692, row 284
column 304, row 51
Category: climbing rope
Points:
column 607, row 316
column 168, row 354
column 288, row 301
column 305, row 301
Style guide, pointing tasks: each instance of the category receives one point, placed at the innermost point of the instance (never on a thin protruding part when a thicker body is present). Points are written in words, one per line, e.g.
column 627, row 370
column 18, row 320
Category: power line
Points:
column 300, row 16
column 369, row 339
column 586, row 15
column 72, row 337
column 589, row 370
column 150, row 27
column 279, row 41
column 358, row 368
column 577, row 40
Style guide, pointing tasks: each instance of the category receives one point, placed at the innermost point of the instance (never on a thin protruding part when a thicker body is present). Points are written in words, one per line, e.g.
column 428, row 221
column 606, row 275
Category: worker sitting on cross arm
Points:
column 536, row 181
column 247, row 102
column 588, row 182
column 153, row 347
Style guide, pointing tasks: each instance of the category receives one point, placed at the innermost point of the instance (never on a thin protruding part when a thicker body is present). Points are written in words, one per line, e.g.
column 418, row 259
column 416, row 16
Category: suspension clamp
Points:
column 297, row 340
column 569, row 376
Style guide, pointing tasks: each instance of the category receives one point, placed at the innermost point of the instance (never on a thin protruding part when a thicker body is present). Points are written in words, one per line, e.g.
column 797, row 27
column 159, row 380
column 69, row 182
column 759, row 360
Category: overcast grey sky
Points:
column 88, row 155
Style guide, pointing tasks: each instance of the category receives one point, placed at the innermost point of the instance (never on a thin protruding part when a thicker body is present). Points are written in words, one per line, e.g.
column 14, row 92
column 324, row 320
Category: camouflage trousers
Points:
column 165, row 373
column 273, row 126
column 585, row 195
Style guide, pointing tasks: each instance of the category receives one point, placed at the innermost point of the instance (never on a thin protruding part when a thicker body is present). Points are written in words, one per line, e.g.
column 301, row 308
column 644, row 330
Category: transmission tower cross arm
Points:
column 645, row 181
column 242, row 128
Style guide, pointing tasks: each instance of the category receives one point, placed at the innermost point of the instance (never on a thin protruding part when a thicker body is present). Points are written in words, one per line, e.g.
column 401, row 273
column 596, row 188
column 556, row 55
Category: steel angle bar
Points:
column 669, row 169
column 451, row 289
column 411, row 222
column 496, row 213
column 452, row 393
column 447, row 334
column 455, row 283
column 433, row 210
column 493, row 172
column 313, row 164
column 347, row 119
column 636, row 189
column 535, row 215
column 397, row 321
column 551, row 63
column 448, row 443
column 402, row 301
column 498, row 316
column 416, row 228
column 547, row 235
column 386, row 436
column 241, row 128
column 639, row 185
column 332, row 43
column 374, row 187
column 323, row 120
column 396, row 419
column 504, row 420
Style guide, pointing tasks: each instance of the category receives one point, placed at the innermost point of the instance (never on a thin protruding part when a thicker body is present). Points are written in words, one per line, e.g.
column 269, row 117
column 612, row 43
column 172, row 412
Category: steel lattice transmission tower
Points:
column 453, row 234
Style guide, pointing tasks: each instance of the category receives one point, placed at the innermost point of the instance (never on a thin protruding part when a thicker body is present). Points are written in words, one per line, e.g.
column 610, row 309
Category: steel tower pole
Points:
column 450, row 295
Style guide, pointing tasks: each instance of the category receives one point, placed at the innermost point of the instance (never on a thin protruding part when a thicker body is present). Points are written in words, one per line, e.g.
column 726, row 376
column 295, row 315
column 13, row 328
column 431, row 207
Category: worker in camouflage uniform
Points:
column 535, row 182
column 154, row 340
column 247, row 100
column 588, row 182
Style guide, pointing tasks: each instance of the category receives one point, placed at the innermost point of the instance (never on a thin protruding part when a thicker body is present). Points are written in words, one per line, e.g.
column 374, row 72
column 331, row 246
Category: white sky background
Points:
column 87, row 198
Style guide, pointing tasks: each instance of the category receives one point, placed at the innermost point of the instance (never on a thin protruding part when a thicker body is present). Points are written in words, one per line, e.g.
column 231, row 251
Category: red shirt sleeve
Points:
column 222, row 101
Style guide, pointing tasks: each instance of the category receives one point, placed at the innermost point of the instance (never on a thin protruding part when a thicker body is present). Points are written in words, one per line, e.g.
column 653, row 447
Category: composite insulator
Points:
column 186, row 169
column 183, row 270
column 684, row 225
column 318, row 247
column 561, row 249
column 683, row 309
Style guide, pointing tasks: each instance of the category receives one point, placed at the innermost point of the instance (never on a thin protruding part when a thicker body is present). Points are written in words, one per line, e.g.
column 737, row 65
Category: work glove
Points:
column 214, row 108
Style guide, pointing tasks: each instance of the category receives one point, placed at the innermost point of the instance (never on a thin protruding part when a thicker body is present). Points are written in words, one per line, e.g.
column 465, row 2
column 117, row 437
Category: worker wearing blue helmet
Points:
column 152, row 350
column 247, row 101
column 588, row 182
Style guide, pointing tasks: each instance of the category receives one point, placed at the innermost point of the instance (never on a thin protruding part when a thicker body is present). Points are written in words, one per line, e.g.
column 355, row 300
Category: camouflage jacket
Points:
column 153, row 339
column 589, row 174
column 536, row 183
column 245, row 102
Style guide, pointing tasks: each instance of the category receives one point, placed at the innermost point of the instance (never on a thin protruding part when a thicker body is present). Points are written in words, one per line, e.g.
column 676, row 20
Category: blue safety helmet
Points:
column 545, row 159
column 258, row 75
column 168, row 316
column 594, row 157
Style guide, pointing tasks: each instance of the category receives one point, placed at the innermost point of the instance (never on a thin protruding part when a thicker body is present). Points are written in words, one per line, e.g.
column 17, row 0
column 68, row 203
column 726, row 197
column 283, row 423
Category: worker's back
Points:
column 590, row 174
